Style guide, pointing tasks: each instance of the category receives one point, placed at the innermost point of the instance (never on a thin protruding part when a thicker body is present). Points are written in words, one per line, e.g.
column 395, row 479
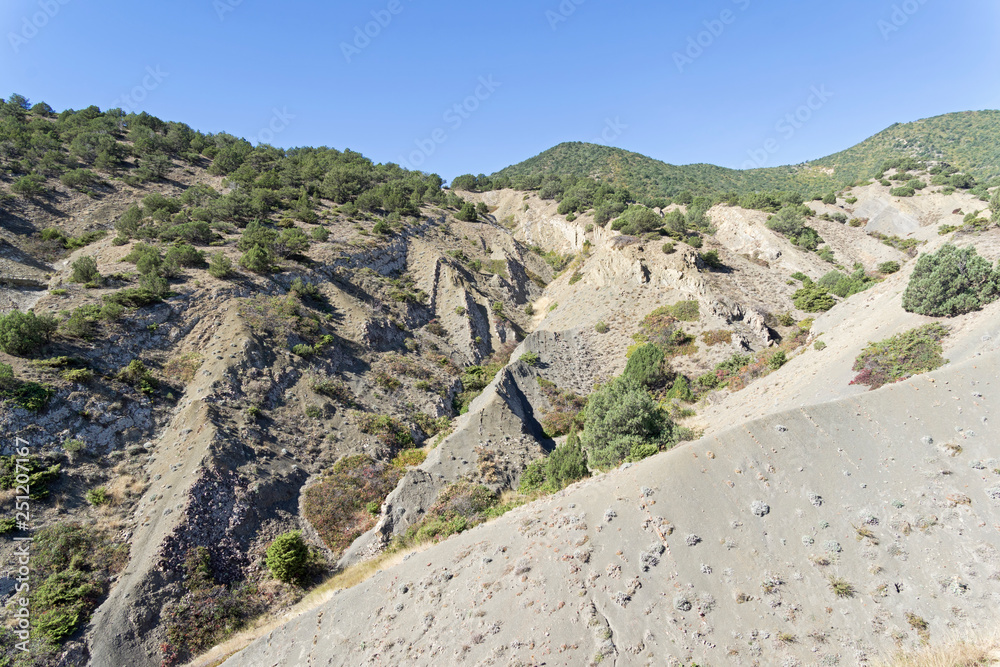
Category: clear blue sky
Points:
column 227, row 65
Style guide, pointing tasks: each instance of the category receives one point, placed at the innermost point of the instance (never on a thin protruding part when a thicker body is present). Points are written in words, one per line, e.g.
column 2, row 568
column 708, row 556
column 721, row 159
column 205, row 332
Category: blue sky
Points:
column 683, row 81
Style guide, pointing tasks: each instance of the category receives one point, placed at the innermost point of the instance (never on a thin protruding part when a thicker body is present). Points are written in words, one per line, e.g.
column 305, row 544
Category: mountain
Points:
column 967, row 140
column 234, row 379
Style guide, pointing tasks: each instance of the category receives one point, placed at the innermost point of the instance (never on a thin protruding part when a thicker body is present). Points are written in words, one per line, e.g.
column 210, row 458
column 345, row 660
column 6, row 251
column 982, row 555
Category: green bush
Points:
column 40, row 475
column 78, row 325
column 257, row 259
column 826, row 254
column 78, row 375
column 845, row 286
column 777, row 360
column 668, row 248
column 621, row 415
column 904, row 191
column 813, row 299
column 287, row 557
column 138, row 376
column 23, row 333
column 637, row 220
column 291, row 241
column 646, row 366
column 79, row 179
column 565, row 465
column 85, row 271
column 146, row 257
column 220, row 267
column 28, row 395
column 73, row 564
column 819, row 345
column 390, row 431
column 98, row 496
column 685, row 311
column 601, row 327
column 468, row 213
column 887, row 268
column 184, row 254
column 788, row 221
column 951, row 282
column 199, row 232
column 458, row 508
column 830, row 199
column 531, row 358
column 29, row 186
column 711, row 259
column 303, row 350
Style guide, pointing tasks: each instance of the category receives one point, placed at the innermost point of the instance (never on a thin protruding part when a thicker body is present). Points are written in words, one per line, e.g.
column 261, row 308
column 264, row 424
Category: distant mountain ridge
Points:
column 969, row 140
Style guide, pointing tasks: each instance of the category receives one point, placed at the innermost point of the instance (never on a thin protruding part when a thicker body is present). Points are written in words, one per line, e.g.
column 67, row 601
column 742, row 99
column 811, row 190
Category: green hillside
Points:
column 968, row 140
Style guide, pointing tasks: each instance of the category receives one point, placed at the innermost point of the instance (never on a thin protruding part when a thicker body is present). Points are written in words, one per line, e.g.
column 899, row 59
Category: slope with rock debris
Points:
column 831, row 533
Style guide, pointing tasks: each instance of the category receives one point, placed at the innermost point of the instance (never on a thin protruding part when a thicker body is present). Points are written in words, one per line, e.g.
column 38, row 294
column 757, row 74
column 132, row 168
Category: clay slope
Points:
column 726, row 550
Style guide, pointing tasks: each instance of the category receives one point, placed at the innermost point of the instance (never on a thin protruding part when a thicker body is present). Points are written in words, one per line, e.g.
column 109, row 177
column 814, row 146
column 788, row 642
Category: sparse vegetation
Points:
column 336, row 505
column 458, row 508
column 897, row 358
column 841, row 588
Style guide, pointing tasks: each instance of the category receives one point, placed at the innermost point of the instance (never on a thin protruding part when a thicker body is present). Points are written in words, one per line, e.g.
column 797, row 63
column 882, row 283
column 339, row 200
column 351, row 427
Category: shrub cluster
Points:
column 458, row 508
column 73, row 564
column 624, row 422
column 337, row 505
column 566, row 413
column 951, row 282
column 565, row 465
column 209, row 611
column 899, row 357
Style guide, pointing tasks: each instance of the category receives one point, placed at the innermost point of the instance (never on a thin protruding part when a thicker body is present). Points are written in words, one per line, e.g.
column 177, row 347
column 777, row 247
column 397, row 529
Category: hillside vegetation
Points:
column 969, row 141
column 241, row 370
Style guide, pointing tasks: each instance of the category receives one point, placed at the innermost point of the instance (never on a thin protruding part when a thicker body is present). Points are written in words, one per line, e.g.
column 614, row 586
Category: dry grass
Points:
column 182, row 369
column 348, row 578
column 124, row 485
column 981, row 652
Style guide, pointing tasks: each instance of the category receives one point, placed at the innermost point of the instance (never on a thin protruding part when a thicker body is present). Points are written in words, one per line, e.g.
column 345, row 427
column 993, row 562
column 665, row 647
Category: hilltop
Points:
column 969, row 141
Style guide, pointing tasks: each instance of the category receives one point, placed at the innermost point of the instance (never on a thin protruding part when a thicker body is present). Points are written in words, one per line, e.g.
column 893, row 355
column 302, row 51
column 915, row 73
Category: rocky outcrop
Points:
column 491, row 444
column 751, row 317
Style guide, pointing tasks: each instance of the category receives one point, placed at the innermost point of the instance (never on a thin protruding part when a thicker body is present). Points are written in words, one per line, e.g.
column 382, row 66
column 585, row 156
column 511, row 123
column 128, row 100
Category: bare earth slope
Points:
column 728, row 549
